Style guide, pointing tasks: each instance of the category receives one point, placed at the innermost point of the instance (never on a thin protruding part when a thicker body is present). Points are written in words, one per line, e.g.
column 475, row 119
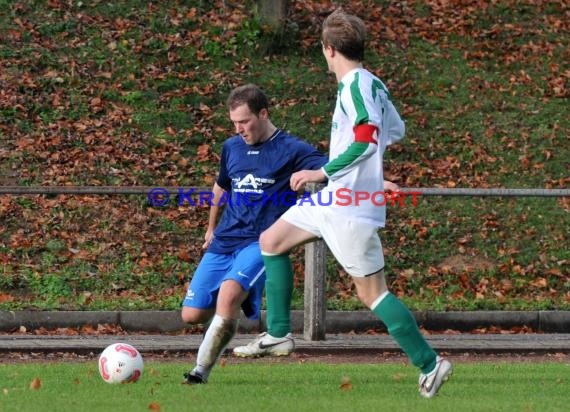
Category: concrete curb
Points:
column 336, row 321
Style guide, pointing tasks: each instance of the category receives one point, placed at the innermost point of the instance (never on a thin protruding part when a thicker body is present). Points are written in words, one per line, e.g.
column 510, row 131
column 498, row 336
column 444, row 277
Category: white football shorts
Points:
column 355, row 244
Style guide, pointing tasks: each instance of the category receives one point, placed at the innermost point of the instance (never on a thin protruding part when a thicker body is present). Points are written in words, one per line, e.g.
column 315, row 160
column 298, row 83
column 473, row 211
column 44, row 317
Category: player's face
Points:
column 252, row 128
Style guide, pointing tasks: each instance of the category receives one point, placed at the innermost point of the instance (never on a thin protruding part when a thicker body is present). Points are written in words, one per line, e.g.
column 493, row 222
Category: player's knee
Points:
column 187, row 317
column 193, row 316
column 230, row 298
column 268, row 244
column 264, row 242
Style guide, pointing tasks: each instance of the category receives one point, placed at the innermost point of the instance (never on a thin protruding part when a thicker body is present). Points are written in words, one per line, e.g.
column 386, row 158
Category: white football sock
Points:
column 219, row 334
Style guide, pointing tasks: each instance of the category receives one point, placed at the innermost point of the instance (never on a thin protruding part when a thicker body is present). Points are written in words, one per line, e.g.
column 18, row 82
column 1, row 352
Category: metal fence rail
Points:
column 143, row 190
column 486, row 192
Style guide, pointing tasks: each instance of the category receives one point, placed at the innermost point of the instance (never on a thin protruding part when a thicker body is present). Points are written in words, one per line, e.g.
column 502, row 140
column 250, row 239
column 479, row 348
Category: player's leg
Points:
column 402, row 326
column 242, row 286
column 357, row 247
column 293, row 228
column 275, row 244
column 220, row 331
column 298, row 225
column 199, row 305
column 398, row 319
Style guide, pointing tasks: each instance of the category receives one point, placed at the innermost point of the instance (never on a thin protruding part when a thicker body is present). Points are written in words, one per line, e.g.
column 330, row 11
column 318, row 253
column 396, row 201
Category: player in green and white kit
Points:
column 364, row 123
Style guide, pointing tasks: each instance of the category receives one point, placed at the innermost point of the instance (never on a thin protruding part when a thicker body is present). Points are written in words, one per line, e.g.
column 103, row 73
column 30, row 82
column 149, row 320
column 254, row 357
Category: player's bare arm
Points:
column 299, row 179
column 214, row 215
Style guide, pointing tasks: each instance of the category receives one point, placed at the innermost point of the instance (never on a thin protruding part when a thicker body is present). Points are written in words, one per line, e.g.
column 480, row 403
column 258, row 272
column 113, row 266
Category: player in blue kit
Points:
column 253, row 190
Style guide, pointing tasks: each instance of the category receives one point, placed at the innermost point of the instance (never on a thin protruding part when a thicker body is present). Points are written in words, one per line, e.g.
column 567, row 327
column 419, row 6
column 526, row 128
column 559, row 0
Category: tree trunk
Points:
column 273, row 13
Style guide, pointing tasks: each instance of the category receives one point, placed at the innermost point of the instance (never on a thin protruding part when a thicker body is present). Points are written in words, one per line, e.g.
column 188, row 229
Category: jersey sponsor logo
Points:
column 190, row 294
column 248, row 180
column 253, row 152
column 251, row 184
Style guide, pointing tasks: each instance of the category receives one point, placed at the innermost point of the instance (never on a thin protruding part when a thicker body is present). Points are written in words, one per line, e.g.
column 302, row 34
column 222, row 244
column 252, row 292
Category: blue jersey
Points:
column 256, row 181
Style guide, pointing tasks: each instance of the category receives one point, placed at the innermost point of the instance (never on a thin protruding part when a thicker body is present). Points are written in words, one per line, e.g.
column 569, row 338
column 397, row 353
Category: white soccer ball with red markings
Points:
column 120, row 363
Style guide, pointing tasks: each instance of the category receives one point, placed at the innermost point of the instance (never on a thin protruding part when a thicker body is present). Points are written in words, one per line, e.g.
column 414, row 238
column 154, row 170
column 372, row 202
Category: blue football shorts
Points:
column 245, row 266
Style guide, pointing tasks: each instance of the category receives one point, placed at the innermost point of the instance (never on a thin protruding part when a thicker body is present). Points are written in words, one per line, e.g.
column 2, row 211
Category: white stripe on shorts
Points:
column 257, row 276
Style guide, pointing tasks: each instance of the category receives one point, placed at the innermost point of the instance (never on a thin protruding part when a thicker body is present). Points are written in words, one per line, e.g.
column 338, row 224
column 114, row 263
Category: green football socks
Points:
column 403, row 328
column 398, row 319
column 278, row 292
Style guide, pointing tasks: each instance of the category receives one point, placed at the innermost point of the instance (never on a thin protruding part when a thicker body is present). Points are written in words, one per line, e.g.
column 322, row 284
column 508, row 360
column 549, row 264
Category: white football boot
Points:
column 266, row 345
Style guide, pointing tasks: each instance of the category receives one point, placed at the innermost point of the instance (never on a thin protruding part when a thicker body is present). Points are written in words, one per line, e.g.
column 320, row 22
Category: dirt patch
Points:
column 466, row 263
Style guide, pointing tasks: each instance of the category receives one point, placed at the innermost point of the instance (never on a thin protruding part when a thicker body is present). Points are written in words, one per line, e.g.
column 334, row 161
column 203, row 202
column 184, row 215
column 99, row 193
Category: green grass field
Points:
column 525, row 387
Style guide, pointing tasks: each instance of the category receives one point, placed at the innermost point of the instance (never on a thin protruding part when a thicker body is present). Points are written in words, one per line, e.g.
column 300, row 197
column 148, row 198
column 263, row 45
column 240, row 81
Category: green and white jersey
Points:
column 364, row 122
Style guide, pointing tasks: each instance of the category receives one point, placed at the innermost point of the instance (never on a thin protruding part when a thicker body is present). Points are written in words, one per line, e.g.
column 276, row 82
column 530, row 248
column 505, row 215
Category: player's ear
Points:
column 264, row 114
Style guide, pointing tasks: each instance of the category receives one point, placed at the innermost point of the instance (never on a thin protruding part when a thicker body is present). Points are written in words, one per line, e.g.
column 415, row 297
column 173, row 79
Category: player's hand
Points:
column 391, row 186
column 208, row 239
column 299, row 179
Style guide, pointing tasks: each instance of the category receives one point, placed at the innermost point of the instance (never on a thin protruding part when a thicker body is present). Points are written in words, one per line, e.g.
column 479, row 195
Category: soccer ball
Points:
column 120, row 363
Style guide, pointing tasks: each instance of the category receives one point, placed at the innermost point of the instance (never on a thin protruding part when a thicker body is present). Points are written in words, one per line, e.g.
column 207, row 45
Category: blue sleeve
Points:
column 224, row 180
column 307, row 157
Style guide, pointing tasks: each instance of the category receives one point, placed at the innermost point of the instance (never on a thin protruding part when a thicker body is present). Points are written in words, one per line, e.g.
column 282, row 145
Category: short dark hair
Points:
column 345, row 33
column 248, row 94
